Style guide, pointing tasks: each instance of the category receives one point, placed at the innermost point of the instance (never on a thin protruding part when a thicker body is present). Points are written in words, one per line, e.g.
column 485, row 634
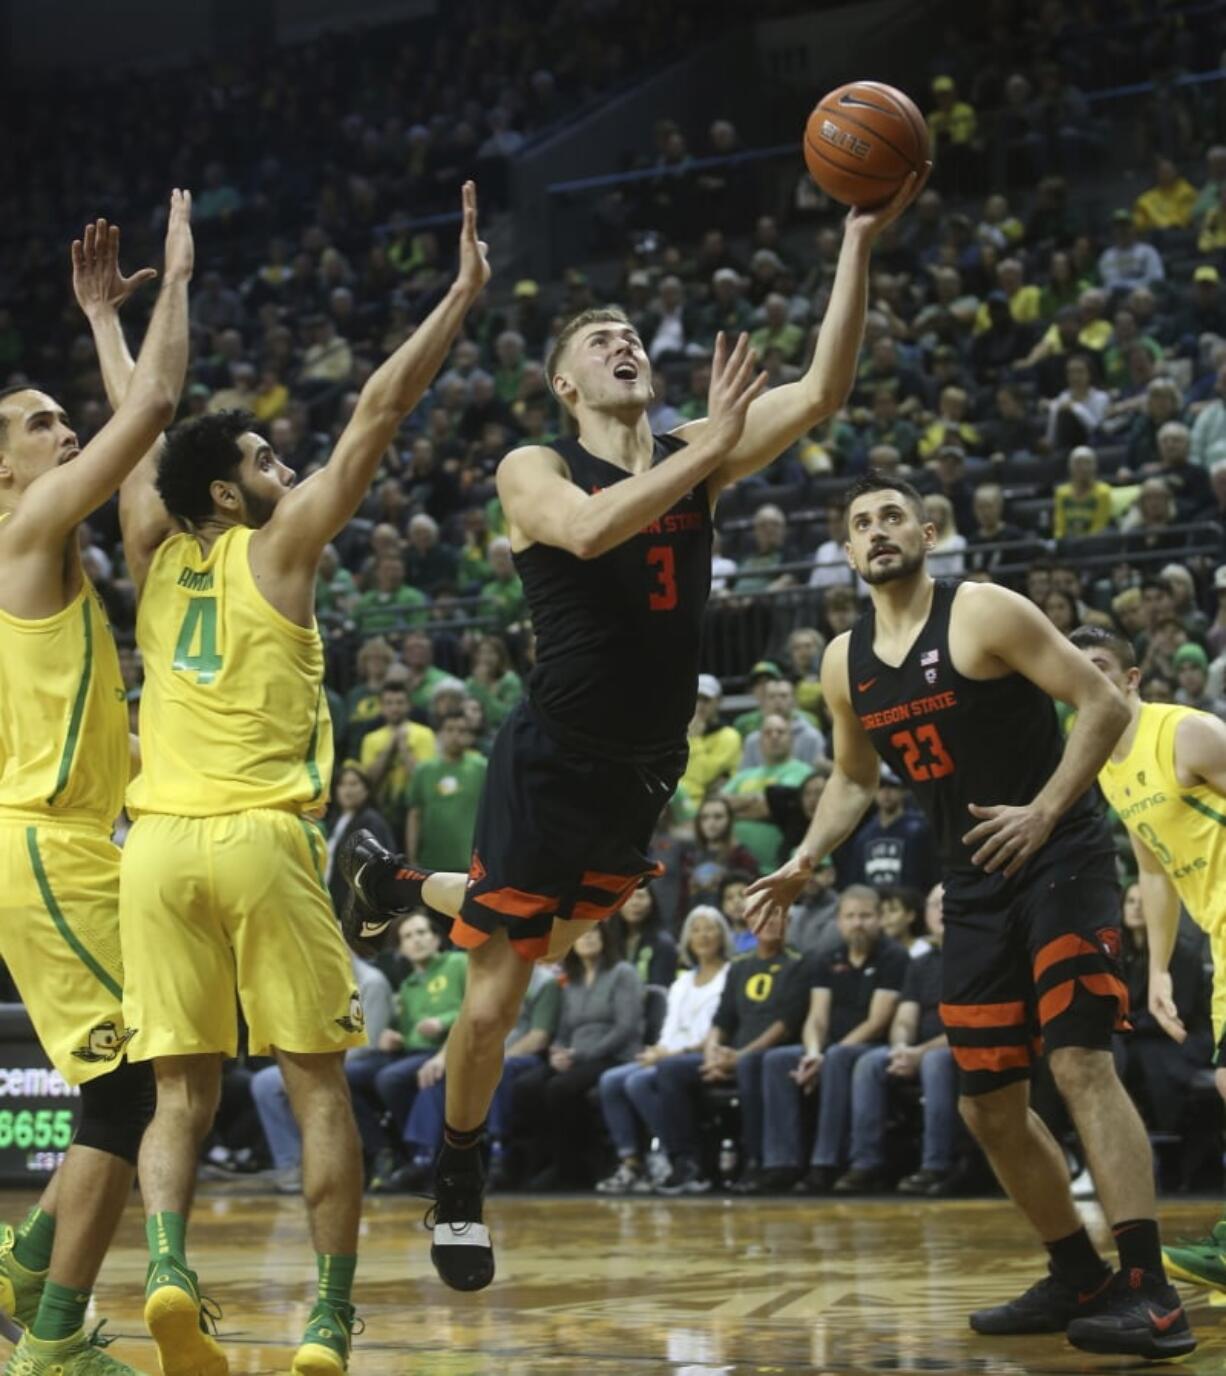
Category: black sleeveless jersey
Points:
column 618, row 636
column 953, row 740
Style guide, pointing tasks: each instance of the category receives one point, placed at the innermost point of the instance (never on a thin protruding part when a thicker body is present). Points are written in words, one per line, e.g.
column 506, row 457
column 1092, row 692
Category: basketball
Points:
column 863, row 140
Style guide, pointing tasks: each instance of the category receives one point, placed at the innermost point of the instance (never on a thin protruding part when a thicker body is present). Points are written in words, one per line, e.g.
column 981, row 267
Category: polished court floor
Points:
column 587, row 1287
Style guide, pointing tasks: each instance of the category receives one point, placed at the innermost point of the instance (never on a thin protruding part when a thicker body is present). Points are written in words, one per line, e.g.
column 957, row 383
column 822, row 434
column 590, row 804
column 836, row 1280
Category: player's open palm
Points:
column 474, row 269
column 769, row 899
column 97, row 279
column 735, row 384
column 1162, row 1005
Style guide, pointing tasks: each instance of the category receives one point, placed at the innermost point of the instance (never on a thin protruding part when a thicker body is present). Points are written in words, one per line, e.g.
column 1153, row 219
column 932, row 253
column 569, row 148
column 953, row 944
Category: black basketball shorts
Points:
column 562, row 833
column 1031, row 964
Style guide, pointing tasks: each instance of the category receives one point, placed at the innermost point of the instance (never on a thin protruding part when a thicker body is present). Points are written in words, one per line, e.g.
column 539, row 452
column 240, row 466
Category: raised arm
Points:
column 779, row 417
column 62, row 498
column 101, row 289
column 319, row 508
column 846, row 798
column 993, row 628
column 544, row 507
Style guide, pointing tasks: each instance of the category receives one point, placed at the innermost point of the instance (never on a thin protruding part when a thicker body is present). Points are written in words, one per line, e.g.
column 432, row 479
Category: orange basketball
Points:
column 863, row 140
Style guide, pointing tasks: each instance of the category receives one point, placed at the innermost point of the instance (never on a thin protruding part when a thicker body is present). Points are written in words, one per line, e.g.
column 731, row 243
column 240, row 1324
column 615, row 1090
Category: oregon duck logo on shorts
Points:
column 105, row 1043
column 355, row 1019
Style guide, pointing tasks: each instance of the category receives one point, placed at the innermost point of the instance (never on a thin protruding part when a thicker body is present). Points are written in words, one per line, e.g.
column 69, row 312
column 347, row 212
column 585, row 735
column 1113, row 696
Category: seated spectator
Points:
column 813, row 927
column 362, row 702
column 328, row 359
column 1188, row 484
column 1012, row 431
column 1209, row 429
column 1156, row 1070
column 1129, row 261
column 642, row 938
column 429, row 564
column 427, row 1004
column 902, row 919
column 1079, row 410
column 1209, row 195
column 1162, row 405
column 918, row 1051
column 391, row 751
column 991, row 528
column 421, row 676
column 601, row 1025
column 1117, row 356
column 805, row 649
column 952, row 123
column 778, row 331
column 354, row 812
column 630, row 1093
column 502, row 598
column 1191, row 665
column 946, row 558
column 893, row 846
column 1151, row 517
column 887, row 427
column 752, row 1016
column 830, row 566
column 761, row 676
column 271, row 1098
column 492, row 681
column 715, row 749
column 1083, row 505
column 712, row 856
column 757, row 569
column 745, row 788
column 1212, row 235
column 1203, row 310
column 846, row 1001
column 1215, row 635
column 1168, row 203
column 1060, row 608
column 391, row 605
column 808, row 743
column 1002, row 343
column 735, row 907
column 950, row 425
column 839, row 611
column 526, row 1044
column 1022, row 297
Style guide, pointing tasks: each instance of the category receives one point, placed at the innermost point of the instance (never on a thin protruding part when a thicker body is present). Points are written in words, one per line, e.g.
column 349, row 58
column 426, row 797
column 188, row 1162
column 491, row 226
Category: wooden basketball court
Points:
column 703, row 1287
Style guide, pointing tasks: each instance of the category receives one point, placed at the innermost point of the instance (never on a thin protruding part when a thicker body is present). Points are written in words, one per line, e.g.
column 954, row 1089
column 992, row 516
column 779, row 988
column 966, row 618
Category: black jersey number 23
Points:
column 923, row 753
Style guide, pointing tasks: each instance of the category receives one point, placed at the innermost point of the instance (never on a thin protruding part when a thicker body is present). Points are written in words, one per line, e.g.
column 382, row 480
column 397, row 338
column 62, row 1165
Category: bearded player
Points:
column 222, row 900
column 952, row 686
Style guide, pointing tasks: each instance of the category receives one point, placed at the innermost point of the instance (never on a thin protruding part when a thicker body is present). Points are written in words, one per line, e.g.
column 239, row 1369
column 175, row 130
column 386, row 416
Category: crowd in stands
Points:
column 1053, row 382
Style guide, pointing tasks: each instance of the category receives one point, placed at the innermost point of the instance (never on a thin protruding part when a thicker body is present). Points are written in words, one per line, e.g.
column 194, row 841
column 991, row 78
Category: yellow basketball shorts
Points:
column 59, row 937
column 218, row 912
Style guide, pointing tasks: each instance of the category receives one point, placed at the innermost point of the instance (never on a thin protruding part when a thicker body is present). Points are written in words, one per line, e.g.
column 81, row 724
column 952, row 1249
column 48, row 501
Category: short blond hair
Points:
column 595, row 315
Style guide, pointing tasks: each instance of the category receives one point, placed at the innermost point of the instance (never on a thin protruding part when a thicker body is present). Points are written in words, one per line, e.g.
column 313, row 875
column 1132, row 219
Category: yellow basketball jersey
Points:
column 233, row 712
column 1185, row 828
column 63, row 717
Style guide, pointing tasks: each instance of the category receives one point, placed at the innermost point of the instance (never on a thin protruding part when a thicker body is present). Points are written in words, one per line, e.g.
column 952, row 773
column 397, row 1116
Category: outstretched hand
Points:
column 770, row 898
column 474, row 269
column 97, row 280
column 872, row 222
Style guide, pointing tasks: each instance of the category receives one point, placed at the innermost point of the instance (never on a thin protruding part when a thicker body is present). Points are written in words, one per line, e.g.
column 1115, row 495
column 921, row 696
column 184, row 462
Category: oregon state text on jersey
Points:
column 953, row 740
column 618, row 637
column 233, row 713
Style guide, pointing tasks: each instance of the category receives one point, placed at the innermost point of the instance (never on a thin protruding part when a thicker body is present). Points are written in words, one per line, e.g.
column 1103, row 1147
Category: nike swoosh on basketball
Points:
column 866, row 685
column 1163, row 1323
column 848, row 99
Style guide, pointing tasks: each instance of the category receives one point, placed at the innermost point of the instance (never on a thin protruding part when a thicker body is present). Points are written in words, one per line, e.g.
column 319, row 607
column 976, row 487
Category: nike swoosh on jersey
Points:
column 848, row 99
column 866, row 685
column 1166, row 1320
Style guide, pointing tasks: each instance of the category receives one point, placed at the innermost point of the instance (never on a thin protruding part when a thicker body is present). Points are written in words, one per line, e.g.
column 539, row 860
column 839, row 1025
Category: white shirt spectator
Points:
column 831, row 570
column 1130, row 265
column 947, row 558
column 1089, row 410
column 691, row 1010
column 1209, row 435
column 722, row 568
column 808, row 744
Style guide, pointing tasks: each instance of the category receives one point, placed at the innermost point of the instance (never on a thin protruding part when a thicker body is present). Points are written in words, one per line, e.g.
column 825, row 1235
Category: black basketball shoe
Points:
column 460, row 1246
column 364, row 861
column 1142, row 1317
column 1049, row 1306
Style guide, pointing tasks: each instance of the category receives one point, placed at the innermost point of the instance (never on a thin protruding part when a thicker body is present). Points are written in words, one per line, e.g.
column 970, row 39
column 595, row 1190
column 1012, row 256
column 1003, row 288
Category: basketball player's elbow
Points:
column 154, row 400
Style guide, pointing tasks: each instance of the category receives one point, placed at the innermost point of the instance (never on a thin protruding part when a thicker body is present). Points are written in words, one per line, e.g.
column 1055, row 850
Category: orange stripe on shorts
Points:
column 983, row 1014
column 515, row 902
column 1062, row 948
column 991, row 1057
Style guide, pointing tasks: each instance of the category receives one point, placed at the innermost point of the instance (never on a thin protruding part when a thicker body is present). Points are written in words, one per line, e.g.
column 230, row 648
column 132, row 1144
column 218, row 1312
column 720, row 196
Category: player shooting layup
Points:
column 611, row 535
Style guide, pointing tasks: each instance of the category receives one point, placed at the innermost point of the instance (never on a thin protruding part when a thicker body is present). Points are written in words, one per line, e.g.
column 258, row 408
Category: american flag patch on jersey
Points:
column 929, row 657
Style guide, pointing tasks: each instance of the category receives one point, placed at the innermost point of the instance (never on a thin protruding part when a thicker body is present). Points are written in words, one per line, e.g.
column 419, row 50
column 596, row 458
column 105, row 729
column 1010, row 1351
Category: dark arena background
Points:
column 1044, row 359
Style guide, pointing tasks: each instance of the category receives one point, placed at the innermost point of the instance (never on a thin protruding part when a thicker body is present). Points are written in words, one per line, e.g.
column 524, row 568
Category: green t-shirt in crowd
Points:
column 749, row 722
column 503, row 600
column 497, row 699
column 435, row 992
column 447, row 795
column 763, row 839
column 377, row 613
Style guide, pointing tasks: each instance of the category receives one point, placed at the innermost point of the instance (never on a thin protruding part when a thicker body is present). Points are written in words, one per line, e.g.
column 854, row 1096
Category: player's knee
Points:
column 490, row 1015
column 190, row 1090
column 1079, row 1071
column 116, row 1109
column 990, row 1118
